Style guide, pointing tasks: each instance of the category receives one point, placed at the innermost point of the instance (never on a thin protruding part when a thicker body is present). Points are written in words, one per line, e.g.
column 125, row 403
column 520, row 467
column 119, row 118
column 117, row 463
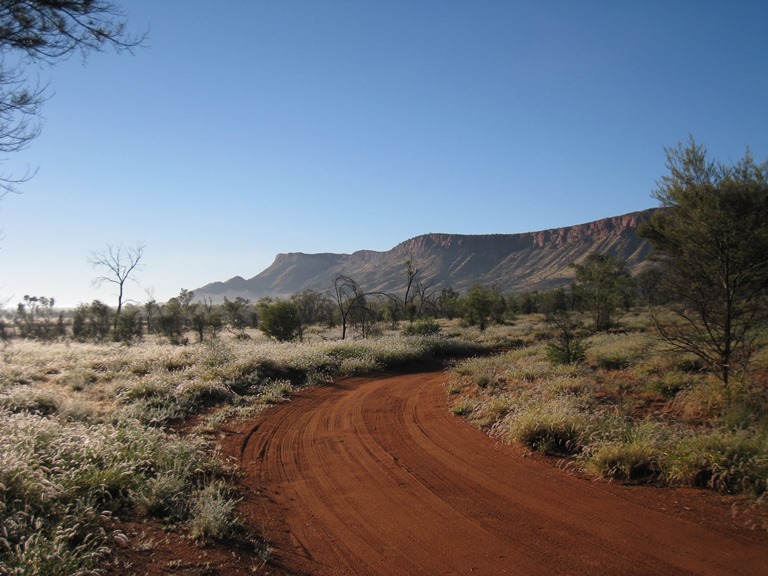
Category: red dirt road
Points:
column 374, row 476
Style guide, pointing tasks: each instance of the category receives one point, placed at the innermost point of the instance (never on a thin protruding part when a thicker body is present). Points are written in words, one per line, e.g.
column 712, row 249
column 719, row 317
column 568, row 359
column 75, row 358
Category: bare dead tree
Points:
column 349, row 299
column 352, row 303
column 119, row 265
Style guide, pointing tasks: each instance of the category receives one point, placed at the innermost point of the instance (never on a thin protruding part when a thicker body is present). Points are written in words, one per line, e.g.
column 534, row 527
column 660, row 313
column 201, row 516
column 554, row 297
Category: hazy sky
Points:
column 249, row 128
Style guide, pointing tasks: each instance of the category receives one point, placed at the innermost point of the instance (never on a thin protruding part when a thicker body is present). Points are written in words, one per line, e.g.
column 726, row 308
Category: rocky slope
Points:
column 513, row 262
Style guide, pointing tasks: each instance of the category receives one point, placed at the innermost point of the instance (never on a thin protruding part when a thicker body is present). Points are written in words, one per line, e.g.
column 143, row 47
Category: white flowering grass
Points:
column 82, row 433
column 616, row 351
column 60, row 480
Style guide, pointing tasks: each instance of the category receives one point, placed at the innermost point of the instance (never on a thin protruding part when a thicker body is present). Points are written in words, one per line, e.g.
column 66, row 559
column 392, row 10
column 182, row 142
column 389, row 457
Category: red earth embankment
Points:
column 374, row 476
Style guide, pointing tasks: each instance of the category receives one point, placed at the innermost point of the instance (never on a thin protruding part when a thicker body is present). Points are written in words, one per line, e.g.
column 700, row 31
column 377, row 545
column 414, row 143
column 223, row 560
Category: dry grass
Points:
column 631, row 411
column 84, row 433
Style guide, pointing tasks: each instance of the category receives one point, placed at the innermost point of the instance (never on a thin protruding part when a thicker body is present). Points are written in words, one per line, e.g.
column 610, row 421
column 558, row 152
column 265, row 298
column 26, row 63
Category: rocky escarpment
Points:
column 513, row 262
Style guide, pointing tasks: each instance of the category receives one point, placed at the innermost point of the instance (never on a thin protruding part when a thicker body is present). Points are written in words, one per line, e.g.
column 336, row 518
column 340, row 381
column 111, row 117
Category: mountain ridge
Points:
column 538, row 260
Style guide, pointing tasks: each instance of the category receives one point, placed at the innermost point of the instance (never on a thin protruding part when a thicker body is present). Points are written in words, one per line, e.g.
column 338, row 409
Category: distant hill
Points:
column 512, row 262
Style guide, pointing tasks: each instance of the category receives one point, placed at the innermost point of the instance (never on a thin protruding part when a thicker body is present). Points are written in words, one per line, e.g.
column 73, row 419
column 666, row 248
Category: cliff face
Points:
column 513, row 262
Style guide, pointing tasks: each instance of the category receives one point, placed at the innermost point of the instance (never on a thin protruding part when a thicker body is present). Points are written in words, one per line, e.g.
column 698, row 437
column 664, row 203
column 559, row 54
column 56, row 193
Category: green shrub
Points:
column 24, row 399
column 571, row 351
column 198, row 393
column 423, row 327
column 670, row 384
column 59, row 480
column 274, row 391
column 463, row 408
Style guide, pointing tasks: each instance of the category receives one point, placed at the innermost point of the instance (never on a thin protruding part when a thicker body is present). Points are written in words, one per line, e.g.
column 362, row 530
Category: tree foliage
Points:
column 711, row 240
column 92, row 321
column 34, row 31
column 35, row 318
column 281, row 320
column 482, row 305
column 603, row 282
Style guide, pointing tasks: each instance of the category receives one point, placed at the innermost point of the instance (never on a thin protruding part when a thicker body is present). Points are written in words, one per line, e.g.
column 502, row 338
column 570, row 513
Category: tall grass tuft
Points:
column 728, row 461
column 553, row 426
column 213, row 516
column 632, row 451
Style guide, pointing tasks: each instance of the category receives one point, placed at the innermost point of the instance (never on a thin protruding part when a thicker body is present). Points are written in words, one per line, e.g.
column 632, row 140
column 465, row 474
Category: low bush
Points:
column 61, row 480
column 213, row 517
column 423, row 327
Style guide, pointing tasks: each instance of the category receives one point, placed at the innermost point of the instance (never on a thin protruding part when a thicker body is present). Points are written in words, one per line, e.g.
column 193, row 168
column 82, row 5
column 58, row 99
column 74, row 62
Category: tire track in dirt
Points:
column 374, row 476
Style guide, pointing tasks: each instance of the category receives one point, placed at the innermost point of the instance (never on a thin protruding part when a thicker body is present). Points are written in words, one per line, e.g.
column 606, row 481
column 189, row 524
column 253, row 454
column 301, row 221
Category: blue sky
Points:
column 259, row 127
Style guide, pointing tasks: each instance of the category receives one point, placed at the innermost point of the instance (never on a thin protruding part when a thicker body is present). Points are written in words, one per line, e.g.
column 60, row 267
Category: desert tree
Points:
column 426, row 302
column 482, row 305
column 281, row 320
column 710, row 238
column 130, row 325
column 567, row 346
column 350, row 301
column 314, row 307
column 47, row 31
column 419, row 294
column 34, row 318
column 238, row 314
column 118, row 265
column 409, row 306
column 205, row 317
column 171, row 323
column 92, row 321
column 347, row 295
column 602, row 281
column 449, row 303
column 151, row 310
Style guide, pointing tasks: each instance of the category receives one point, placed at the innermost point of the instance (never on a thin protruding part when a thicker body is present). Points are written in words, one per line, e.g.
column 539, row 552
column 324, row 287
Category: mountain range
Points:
column 512, row 262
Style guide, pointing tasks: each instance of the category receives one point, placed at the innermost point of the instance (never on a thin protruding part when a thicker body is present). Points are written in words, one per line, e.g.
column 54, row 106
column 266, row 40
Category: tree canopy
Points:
column 711, row 240
column 48, row 31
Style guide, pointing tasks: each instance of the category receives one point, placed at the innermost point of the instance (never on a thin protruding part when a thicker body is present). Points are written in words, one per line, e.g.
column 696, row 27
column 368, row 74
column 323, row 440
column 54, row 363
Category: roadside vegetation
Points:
column 630, row 409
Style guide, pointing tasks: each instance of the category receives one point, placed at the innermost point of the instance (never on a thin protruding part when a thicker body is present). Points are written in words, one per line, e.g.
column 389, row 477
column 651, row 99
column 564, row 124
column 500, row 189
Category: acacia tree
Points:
column 47, row 31
column 602, row 281
column 236, row 312
column 483, row 304
column 711, row 240
column 281, row 320
column 119, row 265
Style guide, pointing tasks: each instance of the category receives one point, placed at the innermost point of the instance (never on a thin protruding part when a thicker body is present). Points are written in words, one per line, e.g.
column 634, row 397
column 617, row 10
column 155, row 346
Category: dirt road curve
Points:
column 375, row 477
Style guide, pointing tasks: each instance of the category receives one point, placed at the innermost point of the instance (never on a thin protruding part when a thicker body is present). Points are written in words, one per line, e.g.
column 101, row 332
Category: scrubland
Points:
column 94, row 432
column 632, row 410
column 90, row 433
